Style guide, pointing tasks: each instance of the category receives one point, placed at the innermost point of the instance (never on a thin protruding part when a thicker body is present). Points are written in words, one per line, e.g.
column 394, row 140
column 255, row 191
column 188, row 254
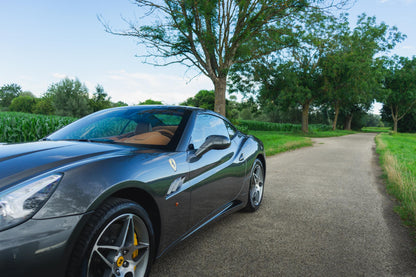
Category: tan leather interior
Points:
column 168, row 129
column 159, row 135
column 153, row 138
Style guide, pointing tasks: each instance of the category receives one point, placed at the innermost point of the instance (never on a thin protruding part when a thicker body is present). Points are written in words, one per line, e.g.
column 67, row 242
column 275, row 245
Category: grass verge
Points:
column 275, row 142
column 326, row 134
column 398, row 159
column 376, row 129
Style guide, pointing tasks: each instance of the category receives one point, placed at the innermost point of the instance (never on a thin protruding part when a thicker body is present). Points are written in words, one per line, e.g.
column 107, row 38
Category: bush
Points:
column 44, row 106
column 23, row 104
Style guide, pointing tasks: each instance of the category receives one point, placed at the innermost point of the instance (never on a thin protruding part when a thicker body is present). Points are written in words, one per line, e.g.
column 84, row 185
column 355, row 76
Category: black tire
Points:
column 118, row 240
column 256, row 187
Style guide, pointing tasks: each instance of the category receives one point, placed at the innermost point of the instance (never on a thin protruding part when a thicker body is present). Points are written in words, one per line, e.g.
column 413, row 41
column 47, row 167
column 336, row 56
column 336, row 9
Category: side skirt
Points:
column 227, row 209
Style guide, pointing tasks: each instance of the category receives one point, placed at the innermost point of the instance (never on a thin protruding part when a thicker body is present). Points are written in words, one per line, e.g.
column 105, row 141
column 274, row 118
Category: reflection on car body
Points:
column 110, row 192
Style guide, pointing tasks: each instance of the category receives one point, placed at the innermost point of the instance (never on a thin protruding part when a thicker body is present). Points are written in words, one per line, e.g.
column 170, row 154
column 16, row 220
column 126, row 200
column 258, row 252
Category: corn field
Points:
column 21, row 127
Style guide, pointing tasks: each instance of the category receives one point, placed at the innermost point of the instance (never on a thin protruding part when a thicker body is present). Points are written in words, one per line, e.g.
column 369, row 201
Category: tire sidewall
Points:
column 125, row 207
column 251, row 205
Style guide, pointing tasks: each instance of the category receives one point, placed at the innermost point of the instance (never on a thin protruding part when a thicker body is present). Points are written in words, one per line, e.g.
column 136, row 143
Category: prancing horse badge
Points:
column 172, row 164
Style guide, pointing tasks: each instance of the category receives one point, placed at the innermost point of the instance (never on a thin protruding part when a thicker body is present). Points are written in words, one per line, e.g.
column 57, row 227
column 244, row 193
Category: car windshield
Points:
column 158, row 127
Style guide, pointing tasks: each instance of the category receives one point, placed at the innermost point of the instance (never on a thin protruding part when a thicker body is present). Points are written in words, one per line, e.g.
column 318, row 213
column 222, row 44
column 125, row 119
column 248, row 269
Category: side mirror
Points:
column 213, row 142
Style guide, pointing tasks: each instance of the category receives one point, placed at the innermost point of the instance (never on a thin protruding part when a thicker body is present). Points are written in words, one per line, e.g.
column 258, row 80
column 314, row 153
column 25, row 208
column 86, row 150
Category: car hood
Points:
column 22, row 161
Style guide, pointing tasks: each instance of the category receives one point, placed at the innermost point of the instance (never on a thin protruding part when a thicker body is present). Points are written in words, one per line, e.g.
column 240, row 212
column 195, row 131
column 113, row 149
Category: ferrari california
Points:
column 109, row 193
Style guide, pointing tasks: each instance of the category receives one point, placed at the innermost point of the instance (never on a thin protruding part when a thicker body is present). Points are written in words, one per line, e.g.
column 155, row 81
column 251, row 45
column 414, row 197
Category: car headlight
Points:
column 21, row 202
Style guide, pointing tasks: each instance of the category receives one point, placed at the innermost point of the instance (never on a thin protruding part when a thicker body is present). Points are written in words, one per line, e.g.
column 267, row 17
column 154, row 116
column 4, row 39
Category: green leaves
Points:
column 22, row 127
column 7, row 93
column 70, row 98
column 204, row 99
column 399, row 87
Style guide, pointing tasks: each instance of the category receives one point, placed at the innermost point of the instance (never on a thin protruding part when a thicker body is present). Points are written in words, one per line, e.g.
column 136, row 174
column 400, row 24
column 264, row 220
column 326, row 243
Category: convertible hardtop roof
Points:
column 165, row 107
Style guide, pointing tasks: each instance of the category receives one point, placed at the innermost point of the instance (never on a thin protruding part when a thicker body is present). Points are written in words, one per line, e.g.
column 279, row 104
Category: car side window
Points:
column 205, row 126
column 231, row 130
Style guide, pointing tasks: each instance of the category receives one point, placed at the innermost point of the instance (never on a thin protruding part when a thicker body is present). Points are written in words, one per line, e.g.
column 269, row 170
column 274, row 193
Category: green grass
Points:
column 275, row 142
column 326, row 134
column 398, row 159
column 376, row 129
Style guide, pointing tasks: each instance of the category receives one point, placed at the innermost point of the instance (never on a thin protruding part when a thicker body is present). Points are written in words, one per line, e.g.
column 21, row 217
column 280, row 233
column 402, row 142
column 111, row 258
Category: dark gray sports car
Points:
column 108, row 193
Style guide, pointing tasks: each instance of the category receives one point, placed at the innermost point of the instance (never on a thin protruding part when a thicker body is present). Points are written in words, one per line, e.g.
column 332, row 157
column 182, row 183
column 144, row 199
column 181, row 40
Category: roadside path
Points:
column 325, row 213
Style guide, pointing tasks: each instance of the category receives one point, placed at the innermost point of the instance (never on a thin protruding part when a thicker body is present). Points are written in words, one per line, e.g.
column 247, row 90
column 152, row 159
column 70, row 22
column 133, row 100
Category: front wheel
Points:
column 117, row 241
column 256, row 189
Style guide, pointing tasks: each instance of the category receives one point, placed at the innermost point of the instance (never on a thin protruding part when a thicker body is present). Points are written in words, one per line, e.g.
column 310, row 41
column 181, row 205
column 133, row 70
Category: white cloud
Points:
column 398, row 1
column 135, row 87
column 409, row 47
column 59, row 75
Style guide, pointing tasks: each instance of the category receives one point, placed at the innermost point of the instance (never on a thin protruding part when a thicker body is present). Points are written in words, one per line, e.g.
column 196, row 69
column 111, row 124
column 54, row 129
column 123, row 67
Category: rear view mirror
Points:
column 213, row 142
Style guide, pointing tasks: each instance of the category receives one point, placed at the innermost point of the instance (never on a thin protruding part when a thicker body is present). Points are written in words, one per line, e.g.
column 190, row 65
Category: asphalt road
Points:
column 325, row 213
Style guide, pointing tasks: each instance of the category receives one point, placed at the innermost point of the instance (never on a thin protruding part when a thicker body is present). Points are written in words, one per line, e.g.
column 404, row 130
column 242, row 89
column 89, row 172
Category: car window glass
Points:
column 231, row 129
column 155, row 127
column 105, row 127
column 207, row 125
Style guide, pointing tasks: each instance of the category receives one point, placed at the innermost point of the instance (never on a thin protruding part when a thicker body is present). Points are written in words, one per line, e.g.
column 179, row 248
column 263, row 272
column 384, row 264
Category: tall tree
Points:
column 204, row 99
column 399, row 87
column 100, row 99
column 214, row 35
column 350, row 75
column 293, row 78
column 8, row 93
column 44, row 106
column 69, row 97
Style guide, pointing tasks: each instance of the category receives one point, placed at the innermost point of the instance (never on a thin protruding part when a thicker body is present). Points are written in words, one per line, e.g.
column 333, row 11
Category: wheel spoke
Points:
column 109, row 247
column 257, row 187
column 254, row 195
column 130, row 232
column 126, row 229
column 120, row 238
column 141, row 246
column 256, row 177
column 110, row 264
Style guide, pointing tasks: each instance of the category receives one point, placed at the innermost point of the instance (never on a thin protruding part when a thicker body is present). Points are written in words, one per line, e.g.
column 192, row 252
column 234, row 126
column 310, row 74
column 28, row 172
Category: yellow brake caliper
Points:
column 136, row 242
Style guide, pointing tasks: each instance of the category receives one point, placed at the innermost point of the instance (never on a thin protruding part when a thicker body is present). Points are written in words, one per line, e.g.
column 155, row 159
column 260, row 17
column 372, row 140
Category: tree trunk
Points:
column 334, row 124
column 348, row 120
column 305, row 117
column 220, row 85
column 395, row 116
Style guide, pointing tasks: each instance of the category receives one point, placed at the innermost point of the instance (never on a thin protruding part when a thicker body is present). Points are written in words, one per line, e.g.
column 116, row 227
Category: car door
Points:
column 214, row 175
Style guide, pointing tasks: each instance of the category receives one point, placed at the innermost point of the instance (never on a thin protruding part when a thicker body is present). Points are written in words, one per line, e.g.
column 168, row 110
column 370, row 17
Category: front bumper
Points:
column 37, row 247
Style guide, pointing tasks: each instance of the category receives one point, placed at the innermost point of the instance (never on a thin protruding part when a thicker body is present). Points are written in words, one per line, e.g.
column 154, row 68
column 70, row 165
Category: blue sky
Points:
column 46, row 40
